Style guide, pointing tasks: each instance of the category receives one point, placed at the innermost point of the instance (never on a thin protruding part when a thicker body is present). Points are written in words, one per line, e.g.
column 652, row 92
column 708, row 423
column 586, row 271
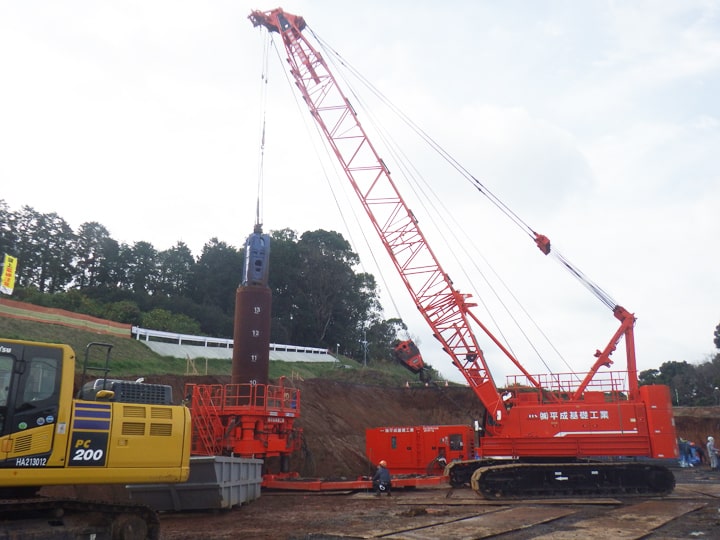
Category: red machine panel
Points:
column 419, row 449
column 660, row 420
column 245, row 420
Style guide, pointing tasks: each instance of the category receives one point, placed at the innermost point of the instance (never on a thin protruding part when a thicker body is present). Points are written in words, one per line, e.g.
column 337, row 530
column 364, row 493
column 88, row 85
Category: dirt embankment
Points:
column 697, row 423
column 334, row 416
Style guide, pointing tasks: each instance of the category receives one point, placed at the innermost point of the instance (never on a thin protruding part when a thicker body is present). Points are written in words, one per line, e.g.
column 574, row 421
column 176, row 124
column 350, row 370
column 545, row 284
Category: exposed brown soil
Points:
column 334, row 416
column 697, row 423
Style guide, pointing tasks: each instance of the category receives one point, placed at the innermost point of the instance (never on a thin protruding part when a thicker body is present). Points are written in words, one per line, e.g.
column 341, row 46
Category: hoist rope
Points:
column 263, row 110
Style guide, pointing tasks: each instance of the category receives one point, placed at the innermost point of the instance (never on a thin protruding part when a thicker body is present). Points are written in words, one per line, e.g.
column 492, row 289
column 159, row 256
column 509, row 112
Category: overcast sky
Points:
column 597, row 122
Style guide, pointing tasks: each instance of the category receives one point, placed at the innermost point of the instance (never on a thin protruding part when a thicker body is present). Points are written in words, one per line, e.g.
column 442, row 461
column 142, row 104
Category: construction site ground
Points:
column 692, row 511
column 334, row 416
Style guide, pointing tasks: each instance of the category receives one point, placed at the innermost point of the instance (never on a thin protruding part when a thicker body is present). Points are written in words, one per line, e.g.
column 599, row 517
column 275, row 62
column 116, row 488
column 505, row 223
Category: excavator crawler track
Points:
column 50, row 518
column 548, row 480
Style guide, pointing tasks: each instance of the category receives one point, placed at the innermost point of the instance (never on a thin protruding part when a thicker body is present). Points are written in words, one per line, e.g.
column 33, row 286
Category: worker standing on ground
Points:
column 712, row 453
column 381, row 479
column 684, row 446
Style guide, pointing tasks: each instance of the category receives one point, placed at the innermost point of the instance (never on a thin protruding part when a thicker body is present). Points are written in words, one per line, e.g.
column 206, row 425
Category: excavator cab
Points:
column 29, row 397
column 113, row 432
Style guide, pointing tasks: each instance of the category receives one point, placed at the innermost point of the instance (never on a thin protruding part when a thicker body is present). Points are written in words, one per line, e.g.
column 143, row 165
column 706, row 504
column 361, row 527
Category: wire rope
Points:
column 263, row 124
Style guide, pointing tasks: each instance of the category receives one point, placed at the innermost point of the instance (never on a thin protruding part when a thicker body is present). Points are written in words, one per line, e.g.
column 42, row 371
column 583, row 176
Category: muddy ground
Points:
column 692, row 511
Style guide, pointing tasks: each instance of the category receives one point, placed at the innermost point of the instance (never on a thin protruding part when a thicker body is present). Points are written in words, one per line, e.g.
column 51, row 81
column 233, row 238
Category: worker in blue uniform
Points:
column 381, row 479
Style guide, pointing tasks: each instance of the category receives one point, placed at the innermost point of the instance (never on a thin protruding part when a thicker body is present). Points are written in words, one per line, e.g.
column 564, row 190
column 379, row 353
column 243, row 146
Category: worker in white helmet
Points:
column 712, row 453
column 381, row 479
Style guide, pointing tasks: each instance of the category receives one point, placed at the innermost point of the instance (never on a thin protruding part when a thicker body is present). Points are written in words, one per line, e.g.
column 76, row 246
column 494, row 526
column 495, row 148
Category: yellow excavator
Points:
column 108, row 432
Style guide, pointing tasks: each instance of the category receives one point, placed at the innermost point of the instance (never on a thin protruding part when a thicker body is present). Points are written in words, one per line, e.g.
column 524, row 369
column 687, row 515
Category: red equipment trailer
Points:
column 590, row 433
column 358, row 484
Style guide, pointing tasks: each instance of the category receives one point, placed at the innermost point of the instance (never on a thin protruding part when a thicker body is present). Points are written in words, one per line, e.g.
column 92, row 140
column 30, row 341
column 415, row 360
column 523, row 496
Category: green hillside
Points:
column 130, row 358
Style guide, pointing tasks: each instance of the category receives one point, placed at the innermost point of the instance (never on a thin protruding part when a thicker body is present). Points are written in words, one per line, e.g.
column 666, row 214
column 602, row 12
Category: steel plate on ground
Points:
column 628, row 523
column 484, row 525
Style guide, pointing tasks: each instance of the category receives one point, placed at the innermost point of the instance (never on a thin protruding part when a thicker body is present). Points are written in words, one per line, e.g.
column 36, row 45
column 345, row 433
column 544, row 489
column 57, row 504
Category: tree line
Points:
column 318, row 298
column 691, row 385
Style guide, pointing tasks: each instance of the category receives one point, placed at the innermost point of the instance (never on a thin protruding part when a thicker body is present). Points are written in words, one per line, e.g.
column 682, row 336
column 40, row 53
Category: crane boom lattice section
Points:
column 444, row 308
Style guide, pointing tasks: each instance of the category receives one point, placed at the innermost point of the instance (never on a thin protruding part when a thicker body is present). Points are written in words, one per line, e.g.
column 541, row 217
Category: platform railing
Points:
column 259, row 397
column 612, row 384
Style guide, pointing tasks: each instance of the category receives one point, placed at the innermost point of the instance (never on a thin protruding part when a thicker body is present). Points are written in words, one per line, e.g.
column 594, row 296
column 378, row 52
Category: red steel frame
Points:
column 244, row 419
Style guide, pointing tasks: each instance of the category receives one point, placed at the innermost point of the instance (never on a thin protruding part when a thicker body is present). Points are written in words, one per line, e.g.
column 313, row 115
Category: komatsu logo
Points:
column 4, row 349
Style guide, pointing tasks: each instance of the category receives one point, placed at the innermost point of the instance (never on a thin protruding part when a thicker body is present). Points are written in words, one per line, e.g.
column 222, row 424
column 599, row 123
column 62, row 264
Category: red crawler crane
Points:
column 543, row 430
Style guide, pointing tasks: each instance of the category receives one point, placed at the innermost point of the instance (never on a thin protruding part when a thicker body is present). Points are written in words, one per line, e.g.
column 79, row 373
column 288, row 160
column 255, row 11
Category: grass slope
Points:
column 130, row 357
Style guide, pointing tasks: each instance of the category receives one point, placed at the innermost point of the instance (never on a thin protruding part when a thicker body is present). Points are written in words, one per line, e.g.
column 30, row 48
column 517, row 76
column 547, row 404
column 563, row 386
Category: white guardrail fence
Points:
column 212, row 344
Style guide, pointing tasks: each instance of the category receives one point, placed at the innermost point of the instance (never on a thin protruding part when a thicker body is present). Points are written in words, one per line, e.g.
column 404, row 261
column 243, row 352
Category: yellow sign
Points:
column 7, row 283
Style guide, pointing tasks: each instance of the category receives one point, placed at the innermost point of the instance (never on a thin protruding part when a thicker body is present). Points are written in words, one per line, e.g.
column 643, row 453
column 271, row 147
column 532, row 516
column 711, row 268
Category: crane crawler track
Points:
column 548, row 480
column 47, row 518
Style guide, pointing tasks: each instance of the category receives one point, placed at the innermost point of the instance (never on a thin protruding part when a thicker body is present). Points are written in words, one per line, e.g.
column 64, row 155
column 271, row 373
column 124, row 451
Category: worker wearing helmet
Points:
column 712, row 453
column 381, row 479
